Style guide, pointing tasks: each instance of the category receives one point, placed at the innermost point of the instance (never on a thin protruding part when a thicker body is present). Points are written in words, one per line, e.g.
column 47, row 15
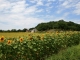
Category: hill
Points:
column 61, row 25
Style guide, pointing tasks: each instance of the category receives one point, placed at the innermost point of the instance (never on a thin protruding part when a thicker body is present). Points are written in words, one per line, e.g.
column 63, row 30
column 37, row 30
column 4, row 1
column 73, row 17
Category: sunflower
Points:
column 9, row 42
column 2, row 39
column 21, row 39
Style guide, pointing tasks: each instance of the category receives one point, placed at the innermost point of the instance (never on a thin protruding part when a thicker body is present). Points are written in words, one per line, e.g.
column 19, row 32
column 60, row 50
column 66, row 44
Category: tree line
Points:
column 14, row 30
column 19, row 30
column 61, row 25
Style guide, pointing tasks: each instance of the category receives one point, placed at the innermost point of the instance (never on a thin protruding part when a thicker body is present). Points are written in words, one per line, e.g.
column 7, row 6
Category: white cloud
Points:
column 41, row 10
column 39, row 2
column 19, row 21
column 69, row 4
column 30, row 10
column 18, row 7
column 59, row 11
column 4, row 5
column 48, row 4
column 51, row 0
column 77, row 8
column 61, row 0
column 66, row 14
column 32, row 1
column 65, row 3
column 18, row 14
column 77, row 21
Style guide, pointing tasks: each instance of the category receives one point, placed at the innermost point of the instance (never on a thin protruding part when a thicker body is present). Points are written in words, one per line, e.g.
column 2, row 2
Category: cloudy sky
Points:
column 19, row 14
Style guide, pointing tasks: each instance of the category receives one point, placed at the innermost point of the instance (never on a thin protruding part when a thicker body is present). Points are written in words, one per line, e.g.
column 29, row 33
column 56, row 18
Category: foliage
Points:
column 36, row 47
column 61, row 24
column 31, row 29
column 14, row 30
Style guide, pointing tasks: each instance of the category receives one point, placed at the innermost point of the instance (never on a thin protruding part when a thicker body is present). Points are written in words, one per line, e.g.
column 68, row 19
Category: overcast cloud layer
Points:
column 19, row 14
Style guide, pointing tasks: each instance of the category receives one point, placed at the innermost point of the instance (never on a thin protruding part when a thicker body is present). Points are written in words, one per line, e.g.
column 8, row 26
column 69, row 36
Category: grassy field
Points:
column 72, row 53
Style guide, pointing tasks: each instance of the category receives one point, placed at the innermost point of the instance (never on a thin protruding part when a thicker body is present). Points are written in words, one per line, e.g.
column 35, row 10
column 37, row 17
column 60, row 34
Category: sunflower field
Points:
column 36, row 46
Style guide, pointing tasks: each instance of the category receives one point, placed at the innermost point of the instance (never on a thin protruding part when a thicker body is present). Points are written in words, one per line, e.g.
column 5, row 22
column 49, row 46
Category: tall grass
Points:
column 72, row 53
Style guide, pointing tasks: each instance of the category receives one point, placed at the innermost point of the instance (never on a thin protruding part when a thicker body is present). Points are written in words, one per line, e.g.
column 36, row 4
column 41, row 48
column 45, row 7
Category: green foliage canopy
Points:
column 61, row 24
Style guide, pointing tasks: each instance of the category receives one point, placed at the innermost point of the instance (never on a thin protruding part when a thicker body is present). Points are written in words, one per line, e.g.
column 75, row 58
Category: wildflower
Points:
column 9, row 42
column 21, row 39
column 2, row 39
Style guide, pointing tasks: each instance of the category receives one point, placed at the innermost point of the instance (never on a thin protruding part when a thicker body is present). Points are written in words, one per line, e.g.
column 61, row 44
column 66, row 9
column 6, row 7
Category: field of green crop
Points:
column 35, row 46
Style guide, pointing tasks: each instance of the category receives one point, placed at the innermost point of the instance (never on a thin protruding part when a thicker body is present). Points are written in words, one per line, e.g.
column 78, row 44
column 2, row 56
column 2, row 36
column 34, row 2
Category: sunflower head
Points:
column 9, row 42
column 21, row 39
column 2, row 39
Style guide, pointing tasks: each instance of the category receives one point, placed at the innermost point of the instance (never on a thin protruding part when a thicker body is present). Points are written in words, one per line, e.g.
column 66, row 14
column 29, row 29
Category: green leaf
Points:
column 0, row 45
column 30, row 47
column 22, row 48
column 24, row 42
column 1, row 55
column 35, row 49
column 15, row 47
